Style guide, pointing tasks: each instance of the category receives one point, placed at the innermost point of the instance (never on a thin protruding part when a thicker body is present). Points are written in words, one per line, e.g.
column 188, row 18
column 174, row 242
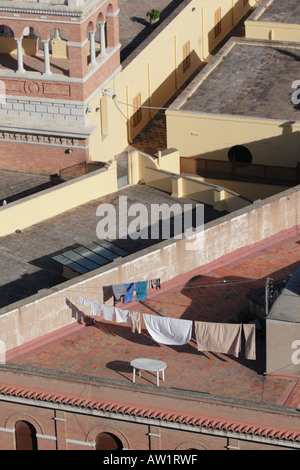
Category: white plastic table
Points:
column 150, row 365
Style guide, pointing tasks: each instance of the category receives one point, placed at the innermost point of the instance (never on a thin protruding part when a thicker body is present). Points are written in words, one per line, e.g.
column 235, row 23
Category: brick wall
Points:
column 38, row 158
column 60, row 430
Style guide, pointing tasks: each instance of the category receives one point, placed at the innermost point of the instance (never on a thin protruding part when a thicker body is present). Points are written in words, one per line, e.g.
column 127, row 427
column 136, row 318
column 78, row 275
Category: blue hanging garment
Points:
column 129, row 293
column 141, row 290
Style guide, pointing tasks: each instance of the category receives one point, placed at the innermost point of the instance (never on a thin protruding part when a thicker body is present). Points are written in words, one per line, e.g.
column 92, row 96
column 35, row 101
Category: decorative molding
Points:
column 41, row 139
column 32, row 87
column 199, row 423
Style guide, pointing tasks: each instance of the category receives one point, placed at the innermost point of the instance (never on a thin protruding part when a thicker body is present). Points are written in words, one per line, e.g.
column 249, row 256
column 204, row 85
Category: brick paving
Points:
column 290, row 14
column 105, row 348
column 255, row 81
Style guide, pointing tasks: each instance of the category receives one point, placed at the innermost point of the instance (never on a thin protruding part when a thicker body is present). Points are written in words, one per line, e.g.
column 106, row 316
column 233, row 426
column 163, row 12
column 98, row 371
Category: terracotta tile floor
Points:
column 105, row 348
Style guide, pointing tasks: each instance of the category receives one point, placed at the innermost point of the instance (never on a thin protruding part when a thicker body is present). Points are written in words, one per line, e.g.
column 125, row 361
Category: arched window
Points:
column 25, row 436
column 239, row 154
column 108, row 441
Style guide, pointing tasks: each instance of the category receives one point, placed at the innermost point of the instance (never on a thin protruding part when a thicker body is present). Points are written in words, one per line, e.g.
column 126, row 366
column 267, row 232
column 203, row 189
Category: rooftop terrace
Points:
column 26, row 263
column 276, row 12
column 105, row 349
column 246, row 78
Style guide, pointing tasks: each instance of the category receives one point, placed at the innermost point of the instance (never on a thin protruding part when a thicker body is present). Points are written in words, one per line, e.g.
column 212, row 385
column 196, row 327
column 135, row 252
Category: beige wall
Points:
column 274, row 31
column 51, row 202
column 157, row 76
column 255, row 28
column 280, row 336
column 252, row 191
column 8, row 45
column 57, row 307
column 155, row 172
column 208, row 136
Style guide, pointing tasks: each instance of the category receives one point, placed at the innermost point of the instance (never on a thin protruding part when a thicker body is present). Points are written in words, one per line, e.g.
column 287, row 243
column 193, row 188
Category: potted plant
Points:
column 153, row 15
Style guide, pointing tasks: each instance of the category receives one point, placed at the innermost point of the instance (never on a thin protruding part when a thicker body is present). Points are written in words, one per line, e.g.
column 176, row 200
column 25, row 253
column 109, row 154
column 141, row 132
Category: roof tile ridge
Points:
column 197, row 420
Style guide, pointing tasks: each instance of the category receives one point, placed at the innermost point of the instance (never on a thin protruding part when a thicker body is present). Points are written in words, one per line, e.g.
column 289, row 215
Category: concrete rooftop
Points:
column 15, row 185
column 279, row 12
column 105, row 349
column 246, row 78
column 26, row 265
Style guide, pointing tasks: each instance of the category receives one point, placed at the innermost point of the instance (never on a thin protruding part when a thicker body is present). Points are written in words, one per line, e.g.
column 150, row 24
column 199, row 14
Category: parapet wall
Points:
column 57, row 307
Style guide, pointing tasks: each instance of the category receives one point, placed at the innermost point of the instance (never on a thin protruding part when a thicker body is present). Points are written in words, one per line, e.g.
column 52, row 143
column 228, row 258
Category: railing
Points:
column 239, row 171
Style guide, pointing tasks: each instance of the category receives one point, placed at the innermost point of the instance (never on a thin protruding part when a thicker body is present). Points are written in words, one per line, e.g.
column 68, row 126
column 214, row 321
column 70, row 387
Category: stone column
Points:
column 102, row 39
column 93, row 47
column 20, row 55
column 47, row 70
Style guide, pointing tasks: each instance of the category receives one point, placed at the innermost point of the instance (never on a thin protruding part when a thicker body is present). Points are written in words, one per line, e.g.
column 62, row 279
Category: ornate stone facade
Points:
column 55, row 56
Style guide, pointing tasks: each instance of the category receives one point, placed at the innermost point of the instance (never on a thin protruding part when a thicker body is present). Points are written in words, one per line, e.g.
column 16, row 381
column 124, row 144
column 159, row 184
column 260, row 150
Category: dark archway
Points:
column 239, row 154
column 108, row 441
column 25, row 436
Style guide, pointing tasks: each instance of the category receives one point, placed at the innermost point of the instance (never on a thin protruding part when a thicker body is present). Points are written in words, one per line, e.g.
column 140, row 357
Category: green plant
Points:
column 153, row 14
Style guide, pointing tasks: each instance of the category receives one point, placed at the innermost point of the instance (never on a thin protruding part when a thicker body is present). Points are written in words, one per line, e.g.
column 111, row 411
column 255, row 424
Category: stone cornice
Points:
column 46, row 9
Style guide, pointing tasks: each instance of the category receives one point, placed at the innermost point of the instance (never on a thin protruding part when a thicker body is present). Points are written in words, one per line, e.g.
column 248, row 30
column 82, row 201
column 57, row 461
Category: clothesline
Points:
column 125, row 291
column 224, row 338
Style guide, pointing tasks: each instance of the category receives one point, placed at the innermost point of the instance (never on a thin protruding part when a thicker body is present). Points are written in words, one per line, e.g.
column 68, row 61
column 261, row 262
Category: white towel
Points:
column 122, row 316
column 95, row 308
column 108, row 312
column 166, row 330
column 83, row 301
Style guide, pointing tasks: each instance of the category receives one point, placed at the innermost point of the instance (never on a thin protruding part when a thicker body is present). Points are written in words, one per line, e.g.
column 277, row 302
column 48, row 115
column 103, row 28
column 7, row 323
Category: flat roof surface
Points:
column 287, row 11
column 246, row 78
column 26, row 264
column 15, row 185
column 105, row 349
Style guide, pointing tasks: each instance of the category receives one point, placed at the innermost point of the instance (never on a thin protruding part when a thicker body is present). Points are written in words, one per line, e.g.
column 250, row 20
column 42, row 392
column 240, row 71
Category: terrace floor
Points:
column 26, row 264
column 105, row 349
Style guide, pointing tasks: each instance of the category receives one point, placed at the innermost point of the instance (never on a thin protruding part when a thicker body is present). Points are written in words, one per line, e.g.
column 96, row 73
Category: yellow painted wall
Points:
column 211, row 137
column 252, row 191
column 51, row 202
column 59, row 48
column 231, row 11
column 8, row 45
column 157, row 72
column 145, row 168
column 274, row 31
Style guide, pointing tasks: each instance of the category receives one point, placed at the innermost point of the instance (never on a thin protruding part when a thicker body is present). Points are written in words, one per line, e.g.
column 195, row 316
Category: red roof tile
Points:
column 133, row 410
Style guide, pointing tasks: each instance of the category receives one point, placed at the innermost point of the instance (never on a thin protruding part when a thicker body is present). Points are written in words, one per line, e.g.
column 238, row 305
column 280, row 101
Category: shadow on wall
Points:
column 139, row 112
column 49, row 272
column 218, row 36
column 146, row 32
column 219, row 164
column 176, row 81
